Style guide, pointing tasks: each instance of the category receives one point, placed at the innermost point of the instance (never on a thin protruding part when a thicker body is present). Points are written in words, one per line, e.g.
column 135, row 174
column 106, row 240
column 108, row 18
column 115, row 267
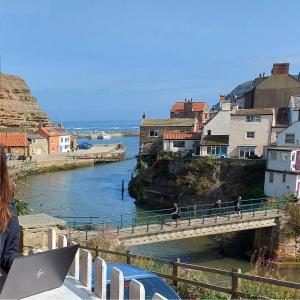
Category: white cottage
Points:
column 282, row 174
column 182, row 142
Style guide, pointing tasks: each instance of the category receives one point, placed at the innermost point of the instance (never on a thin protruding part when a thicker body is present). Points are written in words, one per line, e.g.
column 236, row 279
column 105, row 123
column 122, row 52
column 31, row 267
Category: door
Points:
column 297, row 166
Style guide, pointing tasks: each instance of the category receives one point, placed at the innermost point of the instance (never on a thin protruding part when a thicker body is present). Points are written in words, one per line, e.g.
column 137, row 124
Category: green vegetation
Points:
column 22, row 207
column 292, row 227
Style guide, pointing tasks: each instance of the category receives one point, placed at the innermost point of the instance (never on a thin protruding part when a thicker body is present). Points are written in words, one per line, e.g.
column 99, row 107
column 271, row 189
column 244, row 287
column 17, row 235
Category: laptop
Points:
column 37, row 273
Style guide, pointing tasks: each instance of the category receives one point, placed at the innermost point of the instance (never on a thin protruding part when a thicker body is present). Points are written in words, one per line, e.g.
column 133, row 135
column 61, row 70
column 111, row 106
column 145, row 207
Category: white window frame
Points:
column 289, row 136
column 179, row 146
column 273, row 155
column 246, row 149
column 250, row 137
column 155, row 131
column 253, row 118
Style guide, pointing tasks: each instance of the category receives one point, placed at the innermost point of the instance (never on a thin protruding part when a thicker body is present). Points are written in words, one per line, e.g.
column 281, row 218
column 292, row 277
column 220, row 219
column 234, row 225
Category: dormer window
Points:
column 252, row 118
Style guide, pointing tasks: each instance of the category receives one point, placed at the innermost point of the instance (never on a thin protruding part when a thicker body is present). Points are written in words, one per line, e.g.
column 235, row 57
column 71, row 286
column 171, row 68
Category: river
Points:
column 96, row 191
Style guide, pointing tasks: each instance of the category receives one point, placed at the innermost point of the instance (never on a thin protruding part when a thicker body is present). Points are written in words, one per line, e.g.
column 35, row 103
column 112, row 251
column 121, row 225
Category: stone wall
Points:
column 278, row 245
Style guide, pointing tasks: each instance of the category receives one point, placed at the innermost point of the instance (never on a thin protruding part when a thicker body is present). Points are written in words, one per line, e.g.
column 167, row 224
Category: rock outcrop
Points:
column 18, row 108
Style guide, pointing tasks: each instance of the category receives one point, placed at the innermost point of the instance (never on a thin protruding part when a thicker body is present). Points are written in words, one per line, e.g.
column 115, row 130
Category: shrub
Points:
column 292, row 227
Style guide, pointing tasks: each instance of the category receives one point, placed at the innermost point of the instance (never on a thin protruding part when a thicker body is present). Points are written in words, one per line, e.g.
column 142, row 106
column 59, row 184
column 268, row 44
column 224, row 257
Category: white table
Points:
column 72, row 289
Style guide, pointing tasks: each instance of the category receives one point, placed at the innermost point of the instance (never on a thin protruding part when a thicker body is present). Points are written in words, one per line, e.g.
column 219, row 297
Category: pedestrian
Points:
column 237, row 206
column 9, row 224
column 175, row 214
column 217, row 205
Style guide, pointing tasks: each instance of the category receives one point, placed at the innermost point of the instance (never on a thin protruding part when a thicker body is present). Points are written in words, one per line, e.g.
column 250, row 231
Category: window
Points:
column 250, row 134
column 245, row 152
column 66, row 147
column 283, row 177
column 178, row 144
column 271, row 177
column 217, row 150
column 252, row 118
column 61, row 139
column 273, row 155
column 66, row 139
column 208, row 132
column 289, row 138
column 153, row 133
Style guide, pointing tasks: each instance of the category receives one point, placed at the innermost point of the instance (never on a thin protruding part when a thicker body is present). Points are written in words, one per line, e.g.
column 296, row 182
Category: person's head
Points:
column 239, row 198
column 5, row 192
column 175, row 205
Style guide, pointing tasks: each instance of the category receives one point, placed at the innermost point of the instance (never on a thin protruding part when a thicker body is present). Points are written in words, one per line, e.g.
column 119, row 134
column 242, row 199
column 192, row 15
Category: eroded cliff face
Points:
column 18, row 108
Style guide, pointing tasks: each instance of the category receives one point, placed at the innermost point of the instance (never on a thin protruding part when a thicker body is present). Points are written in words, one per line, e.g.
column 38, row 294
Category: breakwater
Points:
column 92, row 135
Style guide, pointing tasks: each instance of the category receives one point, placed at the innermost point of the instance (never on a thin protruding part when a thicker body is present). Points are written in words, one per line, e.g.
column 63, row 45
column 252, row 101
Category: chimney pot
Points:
column 280, row 68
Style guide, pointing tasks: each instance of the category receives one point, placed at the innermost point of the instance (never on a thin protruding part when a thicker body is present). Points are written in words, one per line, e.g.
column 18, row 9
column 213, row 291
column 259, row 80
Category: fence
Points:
column 81, row 269
column 176, row 267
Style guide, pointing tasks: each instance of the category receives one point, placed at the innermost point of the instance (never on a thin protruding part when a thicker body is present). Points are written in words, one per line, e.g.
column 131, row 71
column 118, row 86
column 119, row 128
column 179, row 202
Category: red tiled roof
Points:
column 171, row 135
column 13, row 139
column 54, row 131
column 179, row 106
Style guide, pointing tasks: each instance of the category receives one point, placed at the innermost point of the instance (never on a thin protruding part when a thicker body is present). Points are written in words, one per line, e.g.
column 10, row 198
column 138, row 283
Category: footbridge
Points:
column 195, row 221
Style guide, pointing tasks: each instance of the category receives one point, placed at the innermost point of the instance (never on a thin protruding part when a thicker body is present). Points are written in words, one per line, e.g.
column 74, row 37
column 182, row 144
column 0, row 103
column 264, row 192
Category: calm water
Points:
column 96, row 191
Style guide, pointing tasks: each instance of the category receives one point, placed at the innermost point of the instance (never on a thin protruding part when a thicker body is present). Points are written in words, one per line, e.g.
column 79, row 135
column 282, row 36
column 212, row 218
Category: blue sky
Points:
column 114, row 59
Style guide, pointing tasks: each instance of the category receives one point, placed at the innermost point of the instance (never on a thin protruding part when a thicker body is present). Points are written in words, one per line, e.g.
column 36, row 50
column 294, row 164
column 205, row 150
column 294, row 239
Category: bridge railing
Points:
column 194, row 216
column 125, row 219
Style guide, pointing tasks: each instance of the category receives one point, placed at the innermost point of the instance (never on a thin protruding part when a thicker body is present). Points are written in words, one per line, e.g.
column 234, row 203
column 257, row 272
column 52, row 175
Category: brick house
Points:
column 152, row 133
column 191, row 109
column 59, row 140
column 14, row 143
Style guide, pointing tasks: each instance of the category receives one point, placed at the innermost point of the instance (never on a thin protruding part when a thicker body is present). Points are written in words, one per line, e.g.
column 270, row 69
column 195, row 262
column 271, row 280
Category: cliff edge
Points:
column 18, row 108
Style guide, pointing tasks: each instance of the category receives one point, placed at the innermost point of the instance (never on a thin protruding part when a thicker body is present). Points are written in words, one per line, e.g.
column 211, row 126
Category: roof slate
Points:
column 196, row 106
column 254, row 111
column 171, row 135
column 13, row 139
column 168, row 122
column 215, row 140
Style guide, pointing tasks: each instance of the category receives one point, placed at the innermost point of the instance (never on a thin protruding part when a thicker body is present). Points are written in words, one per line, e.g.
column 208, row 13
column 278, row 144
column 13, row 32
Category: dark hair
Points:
column 5, row 192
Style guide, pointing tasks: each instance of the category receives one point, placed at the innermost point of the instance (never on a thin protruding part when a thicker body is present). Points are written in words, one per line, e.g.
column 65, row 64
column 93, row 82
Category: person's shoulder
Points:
column 12, row 207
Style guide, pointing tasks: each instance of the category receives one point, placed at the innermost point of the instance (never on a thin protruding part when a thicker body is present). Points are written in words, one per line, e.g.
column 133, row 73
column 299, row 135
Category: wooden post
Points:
column 176, row 260
column 235, row 282
column 74, row 269
column 116, row 284
column 100, row 278
column 128, row 258
column 62, row 241
column 86, row 269
column 136, row 290
column 51, row 239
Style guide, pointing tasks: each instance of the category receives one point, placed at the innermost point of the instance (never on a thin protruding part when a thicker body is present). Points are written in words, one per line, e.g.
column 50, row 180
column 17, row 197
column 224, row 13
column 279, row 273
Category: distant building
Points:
column 191, row 109
column 37, row 144
column 294, row 107
column 14, row 143
column 152, row 133
column 250, row 131
column 282, row 174
column 182, row 142
column 59, row 140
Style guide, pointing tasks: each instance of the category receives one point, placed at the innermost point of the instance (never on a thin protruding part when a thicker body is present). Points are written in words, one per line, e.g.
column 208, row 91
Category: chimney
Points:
column 144, row 116
column 185, row 100
column 280, row 68
column 222, row 97
column 59, row 125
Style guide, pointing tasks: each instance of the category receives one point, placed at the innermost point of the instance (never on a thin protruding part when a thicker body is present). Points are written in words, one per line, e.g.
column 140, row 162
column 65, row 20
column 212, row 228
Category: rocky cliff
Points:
column 18, row 108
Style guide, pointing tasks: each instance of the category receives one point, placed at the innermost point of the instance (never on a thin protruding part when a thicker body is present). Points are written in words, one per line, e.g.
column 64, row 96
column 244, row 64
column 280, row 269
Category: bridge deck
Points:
column 196, row 227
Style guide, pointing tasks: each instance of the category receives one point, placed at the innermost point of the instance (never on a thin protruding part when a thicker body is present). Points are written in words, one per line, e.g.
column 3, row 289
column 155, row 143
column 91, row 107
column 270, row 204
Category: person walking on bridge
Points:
column 237, row 206
column 175, row 214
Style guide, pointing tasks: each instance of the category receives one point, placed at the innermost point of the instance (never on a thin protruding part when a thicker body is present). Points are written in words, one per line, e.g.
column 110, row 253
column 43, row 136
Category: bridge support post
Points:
column 176, row 261
column 235, row 282
column 128, row 258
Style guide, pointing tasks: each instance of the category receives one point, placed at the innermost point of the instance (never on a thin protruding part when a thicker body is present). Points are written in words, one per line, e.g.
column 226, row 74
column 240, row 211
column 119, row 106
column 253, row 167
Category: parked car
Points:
column 85, row 146
column 152, row 283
